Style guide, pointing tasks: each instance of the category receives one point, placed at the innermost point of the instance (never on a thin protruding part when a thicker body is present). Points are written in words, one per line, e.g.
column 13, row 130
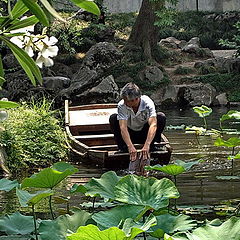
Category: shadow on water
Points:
column 199, row 186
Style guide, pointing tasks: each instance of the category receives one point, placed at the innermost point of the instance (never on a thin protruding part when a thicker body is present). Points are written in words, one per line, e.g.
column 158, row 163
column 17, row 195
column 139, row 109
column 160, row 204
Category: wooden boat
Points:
column 90, row 138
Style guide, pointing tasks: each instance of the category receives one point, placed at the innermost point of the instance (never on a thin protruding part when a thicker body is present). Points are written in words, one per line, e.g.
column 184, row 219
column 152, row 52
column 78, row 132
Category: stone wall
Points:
column 119, row 6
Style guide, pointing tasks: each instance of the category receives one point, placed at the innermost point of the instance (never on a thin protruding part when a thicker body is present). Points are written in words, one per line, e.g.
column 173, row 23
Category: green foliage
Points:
column 33, row 137
column 202, row 111
column 232, row 114
column 235, row 43
column 227, row 82
column 209, row 28
column 7, row 185
column 17, row 224
column 183, row 70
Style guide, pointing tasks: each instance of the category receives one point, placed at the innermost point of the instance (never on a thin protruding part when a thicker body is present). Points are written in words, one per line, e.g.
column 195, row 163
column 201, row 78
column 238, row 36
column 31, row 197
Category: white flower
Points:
column 48, row 62
column 18, row 40
column 23, row 30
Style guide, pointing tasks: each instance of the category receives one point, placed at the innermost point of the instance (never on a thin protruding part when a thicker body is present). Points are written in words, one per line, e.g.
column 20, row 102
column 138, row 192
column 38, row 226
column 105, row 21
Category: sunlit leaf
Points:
column 202, row 111
column 7, row 185
column 170, row 224
column 186, row 165
column 29, row 199
column 87, row 5
column 37, row 11
column 8, row 104
column 231, row 142
column 104, row 186
column 91, row 232
column 49, row 177
column 19, row 9
column 23, row 23
column 196, row 130
column 149, row 192
column 60, row 227
column 232, row 114
column 114, row 216
column 78, row 188
column 227, row 230
column 50, row 9
column 171, row 169
column 17, row 224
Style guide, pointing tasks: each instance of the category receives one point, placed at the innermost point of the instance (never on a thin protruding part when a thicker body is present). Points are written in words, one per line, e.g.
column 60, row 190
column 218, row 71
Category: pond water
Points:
column 197, row 187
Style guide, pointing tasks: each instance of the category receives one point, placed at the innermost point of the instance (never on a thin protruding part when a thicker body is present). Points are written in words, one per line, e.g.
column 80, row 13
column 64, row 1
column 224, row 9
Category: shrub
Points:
column 33, row 137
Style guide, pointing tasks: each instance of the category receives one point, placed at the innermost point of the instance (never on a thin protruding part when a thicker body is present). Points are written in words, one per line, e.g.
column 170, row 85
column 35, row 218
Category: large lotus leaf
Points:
column 202, row 111
column 7, row 185
column 59, row 228
column 232, row 114
column 131, row 228
column 227, row 230
column 49, row 177
column 78, row 188
column 15, row 237
column 104, row 186
column 91, row 232
column 231, row 142
column 186, row 165
column 17, row 224
column 29, row 199
column 171, row 169
column 168, row 223
column 148, row 192
column 112, row 218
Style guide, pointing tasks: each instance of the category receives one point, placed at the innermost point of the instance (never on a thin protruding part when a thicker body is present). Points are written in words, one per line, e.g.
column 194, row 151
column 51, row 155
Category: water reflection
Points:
column 198, row 186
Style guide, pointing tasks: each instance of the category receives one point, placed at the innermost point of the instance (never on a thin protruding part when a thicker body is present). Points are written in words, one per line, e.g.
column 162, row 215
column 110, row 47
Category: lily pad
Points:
column 104, row 186
column 227, row 230
column 7, row 185
column 112, row 218
column 228, row 177
column 171, row 169
column 49, row 177
column 202, row 111
column 231, row 142
column 63, row 225
column 168, row 223
column 148, row 192
column 232, row 114
column 17, row 224
column 29, row 199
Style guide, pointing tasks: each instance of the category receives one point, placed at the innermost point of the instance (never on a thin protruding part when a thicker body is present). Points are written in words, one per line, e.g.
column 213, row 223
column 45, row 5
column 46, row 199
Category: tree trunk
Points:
column 144, row 34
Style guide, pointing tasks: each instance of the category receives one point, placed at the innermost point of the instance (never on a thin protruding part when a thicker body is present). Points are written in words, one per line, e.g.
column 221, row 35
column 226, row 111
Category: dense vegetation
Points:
column 33, row 137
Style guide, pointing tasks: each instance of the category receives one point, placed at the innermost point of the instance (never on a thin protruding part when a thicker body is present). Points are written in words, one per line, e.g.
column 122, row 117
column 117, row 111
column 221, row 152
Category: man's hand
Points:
column 144, row 154
column 133, row 153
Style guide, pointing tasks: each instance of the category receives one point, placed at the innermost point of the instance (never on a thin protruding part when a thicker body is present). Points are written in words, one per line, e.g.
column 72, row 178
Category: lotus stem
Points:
column 50, row 206
column 144, row 233
column 233, row 152
column 175, row 200
column 205, row 123
column 35, row 222
column 94, row 200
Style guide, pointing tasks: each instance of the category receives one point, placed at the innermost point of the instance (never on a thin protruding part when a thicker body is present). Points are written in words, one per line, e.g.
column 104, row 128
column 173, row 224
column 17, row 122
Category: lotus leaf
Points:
column 171, row 169
column 148, row 192
column 91, row 232
column 202, row 111
column 98, row 204
column 30, row 199
column 104, row 186
column 59, row 228
column 8, row 104
column 78, row 188
column 7, row 185
column 196, row 130
column 17, row 224
column 168, row 223
column 112, row 218
column 49, row 177
column 232, row 114
column 228, row 177
column 231, row 142
column 15, row 237
column 227, row 230
column 186, row 165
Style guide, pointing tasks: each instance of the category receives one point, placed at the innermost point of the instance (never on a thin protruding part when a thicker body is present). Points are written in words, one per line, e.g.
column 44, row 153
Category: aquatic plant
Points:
column 203, row 112
column 232, row 114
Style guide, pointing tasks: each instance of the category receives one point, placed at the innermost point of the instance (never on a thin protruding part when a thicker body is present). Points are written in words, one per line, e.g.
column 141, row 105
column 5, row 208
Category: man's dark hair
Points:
column 130, row 91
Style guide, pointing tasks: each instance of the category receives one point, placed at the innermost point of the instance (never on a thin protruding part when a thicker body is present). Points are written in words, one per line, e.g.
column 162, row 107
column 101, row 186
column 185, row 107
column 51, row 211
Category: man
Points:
column 136, row 122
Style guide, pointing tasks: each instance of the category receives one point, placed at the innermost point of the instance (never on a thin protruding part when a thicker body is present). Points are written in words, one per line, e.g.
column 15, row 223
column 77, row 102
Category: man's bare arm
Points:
column 152, row 121
column 126, row 137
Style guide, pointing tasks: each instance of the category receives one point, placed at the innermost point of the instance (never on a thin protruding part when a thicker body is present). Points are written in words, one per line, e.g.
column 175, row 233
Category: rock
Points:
column 151, row 74
column 221, row 100
column 106, row 91
column 172, row 42
column 102, row 56
column 189, row 94
column 56, row 84
column 58, row 69
column 10, row 62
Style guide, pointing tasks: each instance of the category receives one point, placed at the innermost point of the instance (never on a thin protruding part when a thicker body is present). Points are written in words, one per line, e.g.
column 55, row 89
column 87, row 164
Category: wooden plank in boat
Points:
column 90, row 117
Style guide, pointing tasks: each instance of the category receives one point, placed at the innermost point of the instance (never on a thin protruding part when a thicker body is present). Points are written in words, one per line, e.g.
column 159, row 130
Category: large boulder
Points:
column 188, row 95
column 151, row 74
